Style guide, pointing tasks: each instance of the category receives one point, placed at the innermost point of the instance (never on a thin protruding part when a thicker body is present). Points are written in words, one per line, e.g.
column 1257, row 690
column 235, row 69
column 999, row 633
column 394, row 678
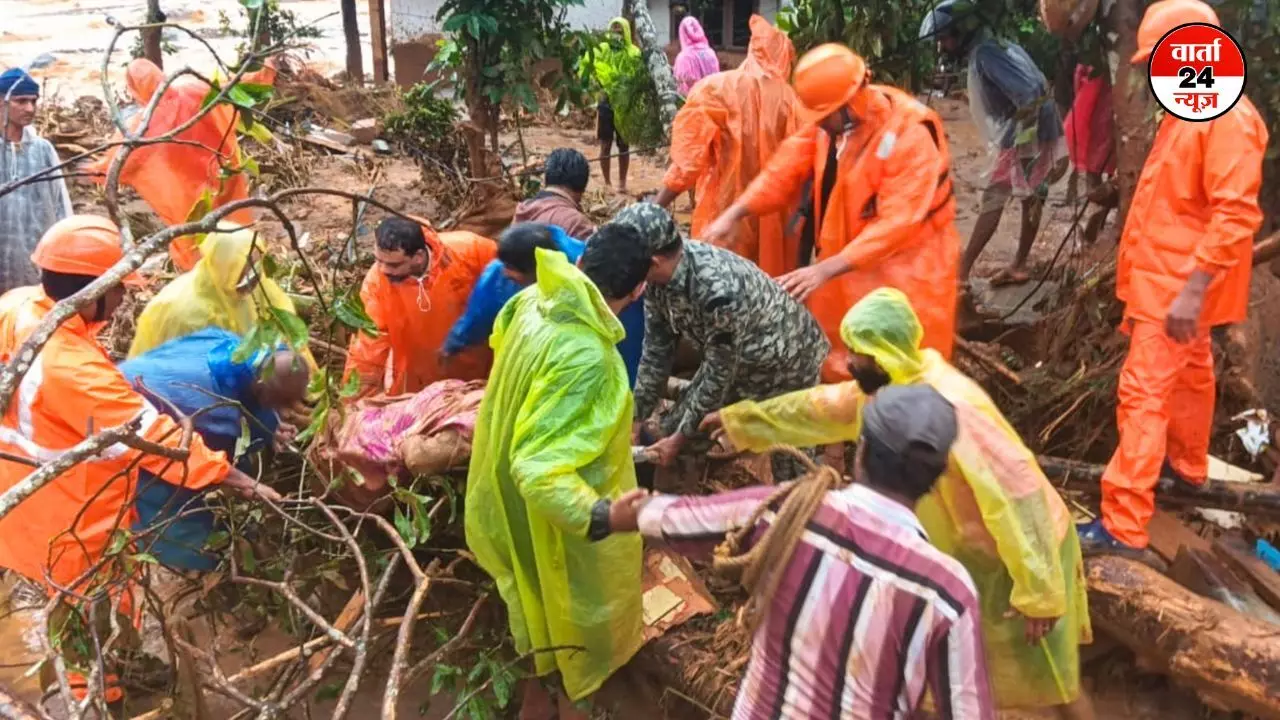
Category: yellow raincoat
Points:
column 553, row 438
column 993, row 509
column 206, row 296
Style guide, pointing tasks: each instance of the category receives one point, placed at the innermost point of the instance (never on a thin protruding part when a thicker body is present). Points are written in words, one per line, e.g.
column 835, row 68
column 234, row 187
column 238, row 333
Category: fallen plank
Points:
column 1256, row 500
column 1241, row 559
column 1228, row 657
column 1169, row 535
column 346, row 618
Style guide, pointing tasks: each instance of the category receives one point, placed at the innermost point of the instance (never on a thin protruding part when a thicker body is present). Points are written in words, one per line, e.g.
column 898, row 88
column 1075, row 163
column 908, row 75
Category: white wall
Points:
column 409, row 20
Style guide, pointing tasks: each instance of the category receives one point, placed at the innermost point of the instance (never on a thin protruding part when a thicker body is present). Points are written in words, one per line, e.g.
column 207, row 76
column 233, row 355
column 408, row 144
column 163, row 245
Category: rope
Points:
column 760, row 569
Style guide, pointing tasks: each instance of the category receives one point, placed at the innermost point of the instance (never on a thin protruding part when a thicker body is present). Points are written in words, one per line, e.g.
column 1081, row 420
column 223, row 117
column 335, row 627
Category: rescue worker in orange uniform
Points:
column 72, row 391
column 883, row 204
column 414, row 293
column 1184, row 264
column 728, row 128
column 172, row 177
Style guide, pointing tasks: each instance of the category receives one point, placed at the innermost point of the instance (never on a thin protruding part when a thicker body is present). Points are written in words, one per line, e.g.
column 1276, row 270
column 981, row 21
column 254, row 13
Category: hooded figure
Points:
column 223, row 290
column 552, row 441
column 724, row 135
column 993, row 509
column 697, row 59
column 172, row 177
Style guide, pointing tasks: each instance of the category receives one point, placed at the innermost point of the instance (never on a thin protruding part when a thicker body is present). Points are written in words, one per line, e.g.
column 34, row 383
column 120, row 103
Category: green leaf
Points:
column 243, row 442
column 247, row 559
column 250, row 166
column 241, row 98
column 201, row 207
column 295, row 330
column 318, row 422
column 349, row 309
column 502, row 687
column 270, row 266
column 405, row 528
column 351, row 386
column 260, row 93
column 212, row 95
column 455, row 22
column 147, row 558
column 443, row 674
column 263, row 335
column 422, row 524
column 119, row 538
column 217, row 539
column 251, row 4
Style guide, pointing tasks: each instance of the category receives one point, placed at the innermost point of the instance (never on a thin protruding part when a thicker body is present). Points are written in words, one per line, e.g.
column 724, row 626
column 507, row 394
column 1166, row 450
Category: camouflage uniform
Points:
column 756, row 341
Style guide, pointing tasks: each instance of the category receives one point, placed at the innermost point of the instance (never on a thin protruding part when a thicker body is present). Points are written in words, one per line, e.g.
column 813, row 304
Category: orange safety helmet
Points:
column 1165, row 15
column 82, row 245
column 826, row 79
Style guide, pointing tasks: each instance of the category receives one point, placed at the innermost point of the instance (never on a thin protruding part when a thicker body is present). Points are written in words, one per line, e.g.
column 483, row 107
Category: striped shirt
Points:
column 867, row 616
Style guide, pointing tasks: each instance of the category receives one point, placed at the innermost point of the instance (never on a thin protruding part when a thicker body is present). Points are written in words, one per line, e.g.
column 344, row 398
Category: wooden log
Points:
column 1231, row 659
column 655, row 57
column 1253, row 499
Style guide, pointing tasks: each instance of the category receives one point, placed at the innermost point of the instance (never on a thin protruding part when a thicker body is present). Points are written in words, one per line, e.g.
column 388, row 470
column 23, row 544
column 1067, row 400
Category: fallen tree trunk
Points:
column 1255, row 499
column 1233, row 661
column 659, row 68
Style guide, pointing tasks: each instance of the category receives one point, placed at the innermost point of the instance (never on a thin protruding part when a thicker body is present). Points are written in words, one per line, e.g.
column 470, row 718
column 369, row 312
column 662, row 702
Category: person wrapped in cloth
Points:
column 755, row 339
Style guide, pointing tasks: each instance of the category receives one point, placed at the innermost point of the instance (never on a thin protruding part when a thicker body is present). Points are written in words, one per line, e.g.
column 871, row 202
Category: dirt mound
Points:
column 302, row 94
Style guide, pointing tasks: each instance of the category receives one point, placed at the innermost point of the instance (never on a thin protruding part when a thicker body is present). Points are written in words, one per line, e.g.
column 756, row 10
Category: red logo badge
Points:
column 1197, row 72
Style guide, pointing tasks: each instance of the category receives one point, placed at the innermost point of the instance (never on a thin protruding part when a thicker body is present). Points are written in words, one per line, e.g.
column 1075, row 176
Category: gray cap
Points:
column 654, row 224
column 899, row 416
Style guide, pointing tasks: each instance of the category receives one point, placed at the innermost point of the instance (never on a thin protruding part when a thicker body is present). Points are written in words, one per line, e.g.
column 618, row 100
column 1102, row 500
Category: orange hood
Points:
column 770, row 50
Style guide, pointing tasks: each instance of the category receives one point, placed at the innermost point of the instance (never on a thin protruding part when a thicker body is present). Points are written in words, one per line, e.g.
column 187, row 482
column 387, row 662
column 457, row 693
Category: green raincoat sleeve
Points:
column 804, row 418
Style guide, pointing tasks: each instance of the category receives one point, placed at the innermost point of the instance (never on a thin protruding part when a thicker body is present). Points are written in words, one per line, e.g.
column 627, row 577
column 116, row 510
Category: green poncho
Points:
column 993, row 509
column 553, row 437
column 624, row 78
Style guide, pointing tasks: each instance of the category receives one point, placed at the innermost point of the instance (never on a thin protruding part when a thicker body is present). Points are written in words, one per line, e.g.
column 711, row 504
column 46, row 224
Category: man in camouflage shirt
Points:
column 756, row 341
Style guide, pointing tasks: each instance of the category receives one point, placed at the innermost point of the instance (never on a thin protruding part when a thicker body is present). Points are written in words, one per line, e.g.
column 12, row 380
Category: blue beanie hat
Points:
column 23, row 85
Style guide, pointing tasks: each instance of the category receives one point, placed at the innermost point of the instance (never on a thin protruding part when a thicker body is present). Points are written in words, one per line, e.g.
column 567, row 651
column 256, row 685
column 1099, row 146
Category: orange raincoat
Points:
column 1195, row 208
column 729, row 127
column 71, row 391
column 414, row 318
column 891, row 214
column 171, row 177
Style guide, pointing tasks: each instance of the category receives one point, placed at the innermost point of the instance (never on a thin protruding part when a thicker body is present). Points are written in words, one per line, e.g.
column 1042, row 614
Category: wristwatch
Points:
column 599, row 528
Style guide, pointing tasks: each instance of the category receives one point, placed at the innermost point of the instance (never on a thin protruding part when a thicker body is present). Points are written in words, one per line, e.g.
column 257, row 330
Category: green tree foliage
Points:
column 1256, row 25
column 491, row 48
column 887, row 33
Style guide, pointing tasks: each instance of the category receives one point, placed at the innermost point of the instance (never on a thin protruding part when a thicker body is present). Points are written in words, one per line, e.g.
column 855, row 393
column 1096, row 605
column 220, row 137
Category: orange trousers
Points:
column 1165, row 410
